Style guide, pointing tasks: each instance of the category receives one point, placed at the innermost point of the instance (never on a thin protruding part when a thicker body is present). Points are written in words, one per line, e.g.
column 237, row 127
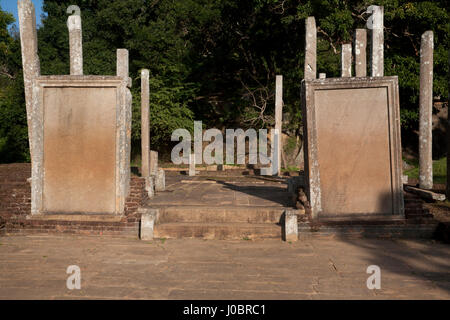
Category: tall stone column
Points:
column 346, row 60
column 122, row 63
column 448, row 133
column 360, row 52
column 426, row 111
column 279, row 119
column 76, row 45
column 145, row 123
column 376, row 24
column 122, row 69
column 310, row 49
column 30, row 58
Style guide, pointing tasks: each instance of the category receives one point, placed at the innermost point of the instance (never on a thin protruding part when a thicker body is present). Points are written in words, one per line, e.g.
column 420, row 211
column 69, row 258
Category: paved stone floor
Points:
column 34, row 267
column 242, row 191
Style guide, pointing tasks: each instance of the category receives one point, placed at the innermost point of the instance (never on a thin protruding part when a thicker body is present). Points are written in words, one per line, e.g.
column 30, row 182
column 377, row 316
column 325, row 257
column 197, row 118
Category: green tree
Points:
column 216, row 60
column 13, row 121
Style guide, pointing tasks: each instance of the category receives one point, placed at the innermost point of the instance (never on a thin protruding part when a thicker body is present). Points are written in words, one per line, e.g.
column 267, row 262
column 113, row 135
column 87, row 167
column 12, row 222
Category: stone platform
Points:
column 234, row 204
column 220, row 207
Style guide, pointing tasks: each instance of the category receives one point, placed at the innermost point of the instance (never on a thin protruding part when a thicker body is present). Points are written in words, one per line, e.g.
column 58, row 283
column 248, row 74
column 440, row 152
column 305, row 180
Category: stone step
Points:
column 217, row 231
column 209, row 214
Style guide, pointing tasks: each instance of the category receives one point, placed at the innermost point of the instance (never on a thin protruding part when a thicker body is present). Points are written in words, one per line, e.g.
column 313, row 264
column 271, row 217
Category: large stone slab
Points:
column 353, row 159
column 80, row 144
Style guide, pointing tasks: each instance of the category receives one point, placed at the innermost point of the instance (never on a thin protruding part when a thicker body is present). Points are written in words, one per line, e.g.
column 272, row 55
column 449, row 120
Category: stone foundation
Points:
column 15, row 210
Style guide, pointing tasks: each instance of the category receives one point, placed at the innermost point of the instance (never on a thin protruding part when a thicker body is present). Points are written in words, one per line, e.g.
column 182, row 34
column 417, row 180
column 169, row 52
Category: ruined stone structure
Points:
column 353, row 148
column 80, row 130
column 80, row 133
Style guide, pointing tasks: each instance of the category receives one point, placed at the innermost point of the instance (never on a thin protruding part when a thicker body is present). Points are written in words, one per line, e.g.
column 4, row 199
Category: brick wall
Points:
column 15, row 208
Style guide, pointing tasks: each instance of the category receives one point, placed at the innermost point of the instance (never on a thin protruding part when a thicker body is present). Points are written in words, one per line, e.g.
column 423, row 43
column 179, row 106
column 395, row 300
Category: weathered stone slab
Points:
column 150, row 186
column 291, row 225
column 353, row 158
column 148, row 220
column 80, row 142
column 426, row 194
column 160, row 180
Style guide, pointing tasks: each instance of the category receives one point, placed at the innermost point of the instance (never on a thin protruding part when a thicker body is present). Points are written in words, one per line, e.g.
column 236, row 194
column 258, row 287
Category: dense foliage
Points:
column 216, row 60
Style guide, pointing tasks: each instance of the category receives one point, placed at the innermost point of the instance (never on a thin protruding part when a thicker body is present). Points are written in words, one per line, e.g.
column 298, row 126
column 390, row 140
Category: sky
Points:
column 11, row 6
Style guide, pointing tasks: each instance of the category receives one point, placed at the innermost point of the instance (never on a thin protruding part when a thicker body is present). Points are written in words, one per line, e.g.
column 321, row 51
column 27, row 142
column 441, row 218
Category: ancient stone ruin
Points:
column 80, row 140
column 353, row 166
column 80, row 129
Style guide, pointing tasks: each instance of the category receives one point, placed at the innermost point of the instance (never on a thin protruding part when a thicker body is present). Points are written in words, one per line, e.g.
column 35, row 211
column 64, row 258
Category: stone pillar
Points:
column 426, row 111
column 448, row 133
column 160, row 180
column 122, row 71
column 279, row 119
column 360, row 52
column 310, row 49
column 145, row 123
column 346, row 60
column 290, row 225
column 76, row 45
column 122, row 63
column 150, row 186
column 30, row 58
column 376, row 24
column 148, row 220
column 153, row 163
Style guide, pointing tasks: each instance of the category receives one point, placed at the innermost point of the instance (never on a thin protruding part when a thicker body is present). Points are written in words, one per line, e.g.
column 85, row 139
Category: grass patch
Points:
column 439, row 170
column 290, row 169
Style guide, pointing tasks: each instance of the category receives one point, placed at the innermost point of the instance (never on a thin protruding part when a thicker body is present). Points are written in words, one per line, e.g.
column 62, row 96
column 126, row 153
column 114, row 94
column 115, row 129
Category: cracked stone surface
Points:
column 34, row 267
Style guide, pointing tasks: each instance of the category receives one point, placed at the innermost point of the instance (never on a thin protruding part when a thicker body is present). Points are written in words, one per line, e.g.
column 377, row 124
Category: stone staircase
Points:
column 222, row 223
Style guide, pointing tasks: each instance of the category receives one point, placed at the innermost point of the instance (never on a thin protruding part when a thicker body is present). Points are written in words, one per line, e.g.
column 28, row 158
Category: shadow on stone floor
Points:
column 422, row 263
column 277, row 194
